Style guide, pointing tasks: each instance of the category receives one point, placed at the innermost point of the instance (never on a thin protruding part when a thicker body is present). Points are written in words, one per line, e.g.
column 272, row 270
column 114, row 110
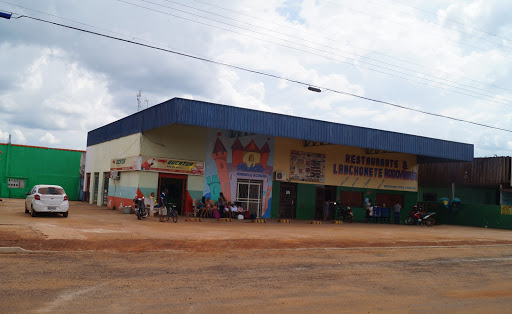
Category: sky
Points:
column 449, row 58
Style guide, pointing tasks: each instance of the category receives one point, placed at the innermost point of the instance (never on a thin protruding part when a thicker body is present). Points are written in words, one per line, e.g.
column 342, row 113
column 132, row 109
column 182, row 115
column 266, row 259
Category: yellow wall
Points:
column 99, row 156
column 337, row 155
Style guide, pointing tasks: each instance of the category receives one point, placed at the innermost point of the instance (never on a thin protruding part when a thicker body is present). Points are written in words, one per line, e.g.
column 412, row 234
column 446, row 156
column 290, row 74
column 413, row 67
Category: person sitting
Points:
column 200, row 207
column 207, row 209
column 234, row 210
column 227, row 210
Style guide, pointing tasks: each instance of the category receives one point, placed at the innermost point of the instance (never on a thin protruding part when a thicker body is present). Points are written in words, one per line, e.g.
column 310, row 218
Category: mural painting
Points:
column 237, row 161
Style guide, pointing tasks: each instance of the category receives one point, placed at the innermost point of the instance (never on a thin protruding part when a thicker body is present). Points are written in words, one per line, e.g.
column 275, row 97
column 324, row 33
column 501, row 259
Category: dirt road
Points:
column 98, row 260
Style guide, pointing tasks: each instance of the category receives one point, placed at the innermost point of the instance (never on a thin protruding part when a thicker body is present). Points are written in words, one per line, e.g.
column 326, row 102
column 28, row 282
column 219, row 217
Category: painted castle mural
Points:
column 240, row 166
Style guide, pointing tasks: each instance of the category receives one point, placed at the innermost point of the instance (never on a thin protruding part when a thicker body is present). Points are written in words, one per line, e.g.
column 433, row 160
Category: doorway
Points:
column 176, row 185
column 287, row 200
column 325, row 194
column 249, row 194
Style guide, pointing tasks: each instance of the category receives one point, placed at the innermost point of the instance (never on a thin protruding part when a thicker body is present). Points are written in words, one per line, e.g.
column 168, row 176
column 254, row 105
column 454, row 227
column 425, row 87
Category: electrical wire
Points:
column 449, row 19
column 350, row 45
column 428, row 81
column 264, row 73
column 337, row 49
column 416, row 79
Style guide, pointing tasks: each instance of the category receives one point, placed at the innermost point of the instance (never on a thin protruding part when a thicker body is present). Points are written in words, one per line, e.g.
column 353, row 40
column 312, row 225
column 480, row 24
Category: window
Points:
column 351, row 198
column 51, row 191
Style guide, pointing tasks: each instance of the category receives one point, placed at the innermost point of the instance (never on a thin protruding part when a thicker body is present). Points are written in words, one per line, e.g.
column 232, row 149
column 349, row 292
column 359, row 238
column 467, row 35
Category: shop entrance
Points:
column 175, row 184
column 249, row 194
column 388, row 200
column 325, row 194
column 287, row 200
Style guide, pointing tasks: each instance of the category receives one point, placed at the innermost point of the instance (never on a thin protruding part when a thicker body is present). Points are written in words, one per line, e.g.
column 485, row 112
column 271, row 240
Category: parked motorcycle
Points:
column 415, row 217
column 345, row 214
column 140, row 207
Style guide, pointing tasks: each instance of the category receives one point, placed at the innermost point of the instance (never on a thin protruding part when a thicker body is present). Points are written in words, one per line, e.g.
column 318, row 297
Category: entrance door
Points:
column 249, row 194
column 105, row 188
column 96, row 183
column 287, row 200
column 176, row 185
column 325, row 194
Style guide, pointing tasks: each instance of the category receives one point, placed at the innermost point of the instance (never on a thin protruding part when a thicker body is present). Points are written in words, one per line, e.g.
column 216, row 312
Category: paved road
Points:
column 102, row 261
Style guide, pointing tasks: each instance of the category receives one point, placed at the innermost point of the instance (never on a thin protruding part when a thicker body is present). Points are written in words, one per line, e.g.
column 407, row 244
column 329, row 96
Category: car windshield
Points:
column 51, row 191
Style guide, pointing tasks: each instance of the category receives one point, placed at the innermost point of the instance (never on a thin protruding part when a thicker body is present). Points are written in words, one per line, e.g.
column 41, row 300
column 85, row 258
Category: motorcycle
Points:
column 140, row 207
column 415, row 217
column 347, row 215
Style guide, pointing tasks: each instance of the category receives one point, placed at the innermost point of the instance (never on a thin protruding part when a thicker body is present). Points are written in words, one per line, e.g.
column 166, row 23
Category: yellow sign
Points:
column 506, row 210
column 172, row 165
column 379, row 171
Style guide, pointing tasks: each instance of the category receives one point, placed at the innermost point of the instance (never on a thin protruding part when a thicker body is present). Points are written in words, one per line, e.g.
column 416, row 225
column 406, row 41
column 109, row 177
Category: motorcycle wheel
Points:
column 139, row 217
column 409, row 221
column 175, row 217
column 349, row 219
column 168, row 216
column 430, row 222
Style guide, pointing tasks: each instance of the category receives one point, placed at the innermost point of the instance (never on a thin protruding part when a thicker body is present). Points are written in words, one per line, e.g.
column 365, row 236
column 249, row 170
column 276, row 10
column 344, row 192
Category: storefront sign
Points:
column 506, row 210
column 172, row 166
column 366, row 171
column 127, row 163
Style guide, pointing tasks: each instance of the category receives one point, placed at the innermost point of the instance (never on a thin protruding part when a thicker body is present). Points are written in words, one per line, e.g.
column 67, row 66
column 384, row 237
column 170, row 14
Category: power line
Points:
column 415, row 79
column 262, row 73
column 444, row 26
column 349, row 44
column 389, row 20
column 449, row 19
column 352, row 64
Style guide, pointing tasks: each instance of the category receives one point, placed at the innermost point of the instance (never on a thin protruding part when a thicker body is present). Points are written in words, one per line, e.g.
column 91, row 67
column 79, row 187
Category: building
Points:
column 22, row 167
column 275, row 165
column 483, row 185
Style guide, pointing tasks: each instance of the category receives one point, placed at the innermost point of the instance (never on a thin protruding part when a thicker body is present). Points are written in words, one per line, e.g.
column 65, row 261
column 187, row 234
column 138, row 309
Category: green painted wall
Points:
column 276, row 188
column 474, row 215
column 410, row 199
column 467, row 195
column 39, row 165
column 306, row 194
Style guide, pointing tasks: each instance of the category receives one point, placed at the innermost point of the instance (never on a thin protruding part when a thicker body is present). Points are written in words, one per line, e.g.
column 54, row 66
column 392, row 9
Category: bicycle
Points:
column 172, row 212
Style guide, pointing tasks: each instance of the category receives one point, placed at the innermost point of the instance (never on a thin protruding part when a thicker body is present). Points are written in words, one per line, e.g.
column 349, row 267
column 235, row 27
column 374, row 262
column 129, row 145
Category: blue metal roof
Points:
column 210, row 115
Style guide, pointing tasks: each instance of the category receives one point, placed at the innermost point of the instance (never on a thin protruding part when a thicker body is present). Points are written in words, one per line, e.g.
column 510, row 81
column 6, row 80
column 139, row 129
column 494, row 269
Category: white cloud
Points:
column 64, row 83
column 18, row 136
column 48, row 138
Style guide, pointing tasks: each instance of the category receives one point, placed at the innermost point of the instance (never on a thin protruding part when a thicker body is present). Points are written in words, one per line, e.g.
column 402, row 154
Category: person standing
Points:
column 162, row 210
column 397, row 209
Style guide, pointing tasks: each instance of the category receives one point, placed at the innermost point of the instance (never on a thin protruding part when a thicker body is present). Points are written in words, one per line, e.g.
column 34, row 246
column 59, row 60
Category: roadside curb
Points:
column 14, row 250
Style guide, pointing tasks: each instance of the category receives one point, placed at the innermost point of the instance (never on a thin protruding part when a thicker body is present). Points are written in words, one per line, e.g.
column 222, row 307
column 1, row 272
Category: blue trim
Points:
column 210, row 115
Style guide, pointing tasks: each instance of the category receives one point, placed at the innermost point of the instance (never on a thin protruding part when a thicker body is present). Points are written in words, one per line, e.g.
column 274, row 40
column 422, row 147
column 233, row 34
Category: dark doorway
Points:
column 388, row 200
column 175, row 184
column 325, row 194
column 287, row 200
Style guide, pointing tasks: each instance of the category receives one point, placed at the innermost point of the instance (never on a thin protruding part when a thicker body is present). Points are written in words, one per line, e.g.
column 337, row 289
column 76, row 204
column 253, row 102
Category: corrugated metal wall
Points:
column 481, row 171
column 211, row 115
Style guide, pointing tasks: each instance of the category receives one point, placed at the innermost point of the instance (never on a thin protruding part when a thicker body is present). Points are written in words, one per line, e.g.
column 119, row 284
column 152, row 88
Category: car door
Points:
column 30, row 197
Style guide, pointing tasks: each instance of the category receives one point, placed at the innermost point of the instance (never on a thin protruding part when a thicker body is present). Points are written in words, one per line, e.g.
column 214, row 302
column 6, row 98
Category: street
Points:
column 99, row 260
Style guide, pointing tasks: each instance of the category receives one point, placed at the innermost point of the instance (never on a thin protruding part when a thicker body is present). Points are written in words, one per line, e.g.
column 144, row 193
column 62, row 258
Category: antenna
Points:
column 147, row 102
column 138, row 101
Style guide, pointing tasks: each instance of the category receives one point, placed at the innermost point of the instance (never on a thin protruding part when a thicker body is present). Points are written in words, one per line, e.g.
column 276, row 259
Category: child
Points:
column 234, row 210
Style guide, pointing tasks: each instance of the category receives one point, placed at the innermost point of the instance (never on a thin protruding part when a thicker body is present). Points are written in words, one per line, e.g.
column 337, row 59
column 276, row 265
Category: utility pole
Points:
column 138, row 100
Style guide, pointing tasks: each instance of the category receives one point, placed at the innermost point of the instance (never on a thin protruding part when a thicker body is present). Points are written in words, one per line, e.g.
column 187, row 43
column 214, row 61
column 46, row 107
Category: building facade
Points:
column 22, row 167
column 274, row 165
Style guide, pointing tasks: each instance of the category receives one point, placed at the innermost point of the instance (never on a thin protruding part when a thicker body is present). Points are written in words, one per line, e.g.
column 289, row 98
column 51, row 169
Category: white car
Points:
column 47, row 199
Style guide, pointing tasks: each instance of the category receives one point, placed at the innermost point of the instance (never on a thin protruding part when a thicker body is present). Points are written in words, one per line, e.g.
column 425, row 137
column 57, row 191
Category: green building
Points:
column 22, row 167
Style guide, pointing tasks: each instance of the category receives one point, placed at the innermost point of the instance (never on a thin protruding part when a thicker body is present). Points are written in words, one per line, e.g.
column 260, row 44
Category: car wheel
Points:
column 32, row 212
column 65, row 215
column 26, row 209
